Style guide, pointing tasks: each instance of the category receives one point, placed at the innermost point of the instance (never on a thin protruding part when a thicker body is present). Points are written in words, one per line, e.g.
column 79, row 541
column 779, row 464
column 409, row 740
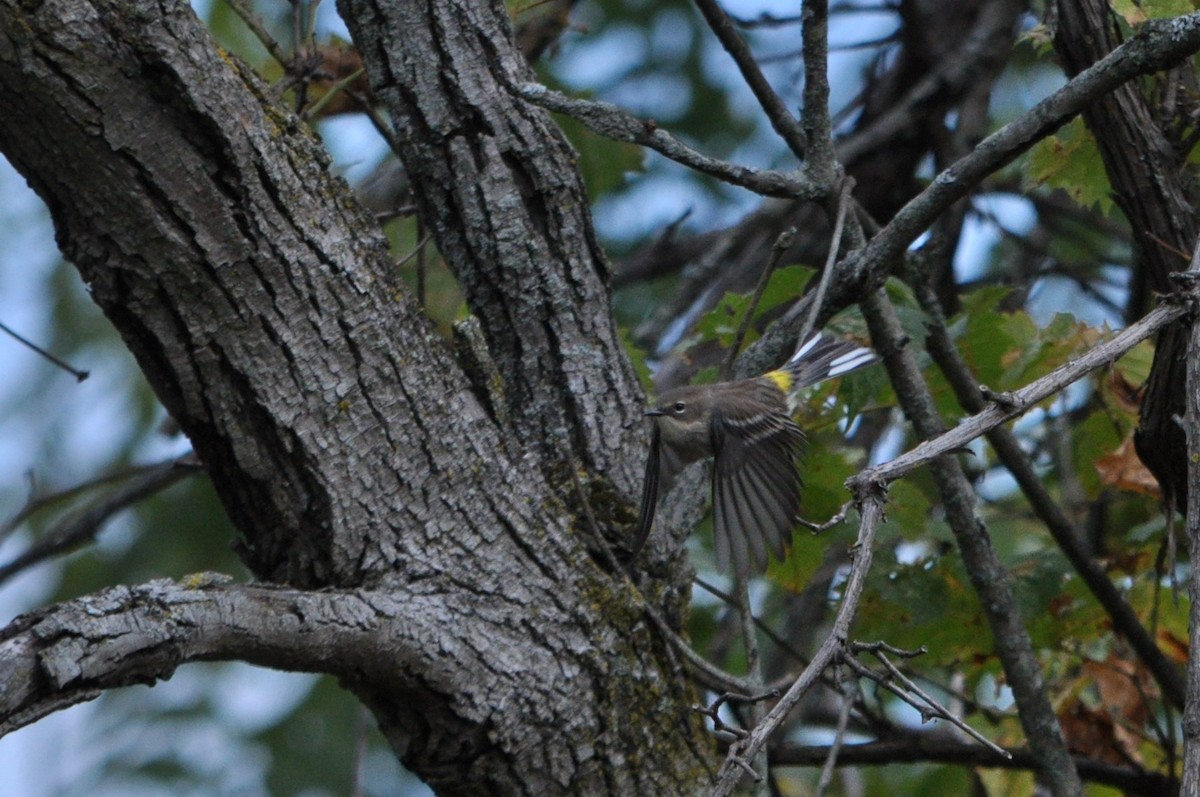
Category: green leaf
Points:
column 928, row 603
column 721, row 323
column 1070, row 160
column 1135, row 12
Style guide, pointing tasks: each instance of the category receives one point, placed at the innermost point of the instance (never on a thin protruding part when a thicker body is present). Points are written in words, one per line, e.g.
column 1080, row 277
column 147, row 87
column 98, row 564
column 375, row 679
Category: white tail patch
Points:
column 844, row 363
column 806, row 348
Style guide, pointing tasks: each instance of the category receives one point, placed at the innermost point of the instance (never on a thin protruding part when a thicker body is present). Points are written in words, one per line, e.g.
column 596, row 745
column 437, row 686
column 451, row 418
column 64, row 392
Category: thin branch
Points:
column 987, row 574
column 617, row 124
column 1013, row 404
column 754, row 674
column 850, row 694
column 863, row 552
column 251, row 20
column 781, row 245
column 766, row 630
column 713, row 711
column 84, row 525
column 63, row 364
column 915, row 696
column 777, row 113
column 313, row 111
column 836, row 518
column 935, row 748
column 835, row 241
column 33, row 504
column 416, row 253
column 709, row 674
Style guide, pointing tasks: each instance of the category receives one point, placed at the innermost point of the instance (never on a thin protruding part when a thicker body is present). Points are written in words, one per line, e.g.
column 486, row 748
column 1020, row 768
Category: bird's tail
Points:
column 823, row 357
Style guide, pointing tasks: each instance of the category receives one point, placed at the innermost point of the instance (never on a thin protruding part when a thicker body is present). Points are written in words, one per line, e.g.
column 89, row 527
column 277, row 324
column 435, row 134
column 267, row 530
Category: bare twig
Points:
column 781, row 245
column 242, row 9
column 766, row 630
column 1017, row 402
column 713, row 710
column 612, row 122
column 915, row 696
column 754, row 674
column 572, row 466
column 85, row 524
column 872, row 513
column 838, row 517
column 849, row 697
column 416, row 253
column 710, row 675
column 75, row 372
column 314, row 110
column 777, row 113
column 835, row 245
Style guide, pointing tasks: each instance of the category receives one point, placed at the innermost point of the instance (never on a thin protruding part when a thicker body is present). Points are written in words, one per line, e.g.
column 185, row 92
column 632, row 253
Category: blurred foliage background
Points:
column 1042, row 272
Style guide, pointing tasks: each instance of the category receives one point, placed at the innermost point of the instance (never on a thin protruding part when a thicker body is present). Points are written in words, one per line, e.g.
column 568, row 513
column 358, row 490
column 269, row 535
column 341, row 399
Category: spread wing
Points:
column 756, row 489
column 662, row 466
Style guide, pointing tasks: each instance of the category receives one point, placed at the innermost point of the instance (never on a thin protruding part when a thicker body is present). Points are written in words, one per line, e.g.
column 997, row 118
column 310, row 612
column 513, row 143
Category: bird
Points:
column 746, row 426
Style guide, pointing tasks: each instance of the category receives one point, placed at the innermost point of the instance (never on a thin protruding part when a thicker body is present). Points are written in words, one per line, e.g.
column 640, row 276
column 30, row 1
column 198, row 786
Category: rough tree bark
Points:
column 342, row 437
column 434, row 550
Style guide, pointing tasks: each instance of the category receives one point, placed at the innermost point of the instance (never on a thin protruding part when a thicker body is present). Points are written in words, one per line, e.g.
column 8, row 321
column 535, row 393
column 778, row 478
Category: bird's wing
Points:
column 756, row 489
column 662, row 466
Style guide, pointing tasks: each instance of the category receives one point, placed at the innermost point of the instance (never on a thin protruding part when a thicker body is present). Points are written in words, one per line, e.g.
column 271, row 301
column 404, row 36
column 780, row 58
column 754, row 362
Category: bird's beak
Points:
column 654, row 413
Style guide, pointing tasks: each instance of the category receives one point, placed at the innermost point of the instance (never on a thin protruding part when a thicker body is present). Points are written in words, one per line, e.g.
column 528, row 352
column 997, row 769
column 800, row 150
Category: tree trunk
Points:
column 340, row 433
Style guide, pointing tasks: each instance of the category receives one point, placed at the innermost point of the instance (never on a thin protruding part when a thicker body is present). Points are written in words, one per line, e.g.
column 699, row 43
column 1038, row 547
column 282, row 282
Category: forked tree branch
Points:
column 988, row 577
column 618, row 124
column 70, row 652
column 871, row 508
column 1157, row 45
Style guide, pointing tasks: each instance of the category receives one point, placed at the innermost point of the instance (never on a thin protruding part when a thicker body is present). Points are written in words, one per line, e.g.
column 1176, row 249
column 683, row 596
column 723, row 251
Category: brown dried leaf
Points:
column 1123, row 470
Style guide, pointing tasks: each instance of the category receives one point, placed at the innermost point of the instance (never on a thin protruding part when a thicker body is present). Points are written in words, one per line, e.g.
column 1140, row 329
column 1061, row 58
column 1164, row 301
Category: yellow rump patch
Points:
column 781, row 378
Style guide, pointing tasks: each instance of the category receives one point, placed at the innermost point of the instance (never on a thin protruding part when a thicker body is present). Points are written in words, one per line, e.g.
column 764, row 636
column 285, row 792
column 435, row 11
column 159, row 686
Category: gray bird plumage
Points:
column 746, row 426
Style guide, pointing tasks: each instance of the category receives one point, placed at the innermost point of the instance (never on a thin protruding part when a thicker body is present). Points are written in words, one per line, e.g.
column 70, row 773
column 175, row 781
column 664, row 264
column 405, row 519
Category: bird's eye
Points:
column 679, row 406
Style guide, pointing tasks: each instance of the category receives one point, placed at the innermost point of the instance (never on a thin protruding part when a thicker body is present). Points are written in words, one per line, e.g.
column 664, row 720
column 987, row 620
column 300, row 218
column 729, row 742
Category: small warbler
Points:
column 746, row 425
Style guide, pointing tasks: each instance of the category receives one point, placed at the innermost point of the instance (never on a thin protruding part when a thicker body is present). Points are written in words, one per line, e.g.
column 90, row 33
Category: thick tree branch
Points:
column 467, row 668
column 69, row 653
